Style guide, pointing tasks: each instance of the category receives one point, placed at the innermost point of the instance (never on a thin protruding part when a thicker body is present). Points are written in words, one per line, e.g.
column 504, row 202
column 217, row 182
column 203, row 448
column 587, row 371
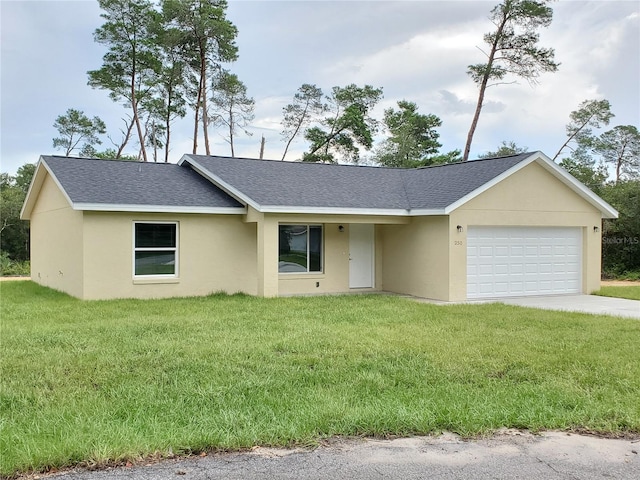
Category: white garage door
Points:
column 519, row 261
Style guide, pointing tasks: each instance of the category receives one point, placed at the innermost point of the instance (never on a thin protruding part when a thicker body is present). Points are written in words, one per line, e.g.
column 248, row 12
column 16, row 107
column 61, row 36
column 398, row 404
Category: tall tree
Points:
column 513, row 50
column 208, row 39
column 590, row 114
column 412, row 140
column 131, row 65
column 78, row 132
column 505, row 149
column 307, row 105
column 348, row 126
column 231, row 107
column 621, row 147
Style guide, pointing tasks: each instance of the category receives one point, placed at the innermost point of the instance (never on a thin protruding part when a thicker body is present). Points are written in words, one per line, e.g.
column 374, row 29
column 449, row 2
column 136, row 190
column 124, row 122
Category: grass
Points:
column 92, row 382
column 632, row 292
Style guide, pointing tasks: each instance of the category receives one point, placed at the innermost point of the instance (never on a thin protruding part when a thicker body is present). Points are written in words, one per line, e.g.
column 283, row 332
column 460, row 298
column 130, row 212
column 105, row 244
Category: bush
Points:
column 10, row 267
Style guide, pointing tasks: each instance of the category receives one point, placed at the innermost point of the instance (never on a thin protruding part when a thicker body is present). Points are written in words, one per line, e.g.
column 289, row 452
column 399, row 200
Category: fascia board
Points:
column 333, row 210
column 36, row 185
column 425, row 212
column 490, row 184
column 115, row 207
column 565, row 177
column 218, row 182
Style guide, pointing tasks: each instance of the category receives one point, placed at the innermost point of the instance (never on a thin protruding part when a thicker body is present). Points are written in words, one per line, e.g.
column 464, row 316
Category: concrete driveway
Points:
column 580, row 303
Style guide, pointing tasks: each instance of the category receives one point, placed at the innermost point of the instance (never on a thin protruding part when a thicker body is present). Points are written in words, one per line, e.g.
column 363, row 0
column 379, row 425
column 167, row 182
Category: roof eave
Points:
column 117, row 207
column 42, row 169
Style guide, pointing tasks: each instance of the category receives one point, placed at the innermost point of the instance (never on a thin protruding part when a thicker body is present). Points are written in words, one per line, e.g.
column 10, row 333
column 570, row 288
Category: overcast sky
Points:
column 418, row 51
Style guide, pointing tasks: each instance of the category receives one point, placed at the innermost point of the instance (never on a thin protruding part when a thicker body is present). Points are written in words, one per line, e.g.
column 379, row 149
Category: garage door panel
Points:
column 517, row 261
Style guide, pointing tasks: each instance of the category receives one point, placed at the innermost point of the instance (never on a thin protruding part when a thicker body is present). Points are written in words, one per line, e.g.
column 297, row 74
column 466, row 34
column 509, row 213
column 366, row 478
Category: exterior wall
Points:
column 335, row 275
column 56, row 241
column 216, row 253
column 530, row 197
column 415, row 258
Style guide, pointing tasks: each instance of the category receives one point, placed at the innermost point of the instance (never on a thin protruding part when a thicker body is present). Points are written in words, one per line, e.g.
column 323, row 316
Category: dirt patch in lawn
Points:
column 620, row 283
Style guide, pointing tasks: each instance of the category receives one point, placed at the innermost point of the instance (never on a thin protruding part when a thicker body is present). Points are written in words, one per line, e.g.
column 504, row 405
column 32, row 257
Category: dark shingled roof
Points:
column 135, row 183
column 296, row 184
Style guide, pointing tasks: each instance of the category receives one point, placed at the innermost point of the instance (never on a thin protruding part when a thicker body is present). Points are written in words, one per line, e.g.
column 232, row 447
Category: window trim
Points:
column 308, row 226
column 176, row 270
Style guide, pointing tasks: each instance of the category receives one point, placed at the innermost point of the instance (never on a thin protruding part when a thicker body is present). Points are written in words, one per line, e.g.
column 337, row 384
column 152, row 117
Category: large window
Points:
column 300, row 249
column 155, row 249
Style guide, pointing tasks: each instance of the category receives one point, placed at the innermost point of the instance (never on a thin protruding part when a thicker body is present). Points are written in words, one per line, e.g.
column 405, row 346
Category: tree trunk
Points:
column 134, row 105
column 262, row 148
column 127, row 136
column 233, row 153
column 483, row 87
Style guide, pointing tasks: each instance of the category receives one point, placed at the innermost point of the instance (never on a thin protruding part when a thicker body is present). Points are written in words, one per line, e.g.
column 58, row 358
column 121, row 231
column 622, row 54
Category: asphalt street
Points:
column 508, row 455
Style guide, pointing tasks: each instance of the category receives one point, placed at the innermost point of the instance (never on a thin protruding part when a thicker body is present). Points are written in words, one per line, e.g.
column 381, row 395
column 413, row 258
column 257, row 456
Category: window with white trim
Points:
column 155, row 249
column 300, row 249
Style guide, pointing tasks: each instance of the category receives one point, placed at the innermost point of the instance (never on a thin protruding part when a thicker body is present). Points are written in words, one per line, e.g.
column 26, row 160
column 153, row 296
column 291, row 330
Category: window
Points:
column 155, row 249
column 300, row 249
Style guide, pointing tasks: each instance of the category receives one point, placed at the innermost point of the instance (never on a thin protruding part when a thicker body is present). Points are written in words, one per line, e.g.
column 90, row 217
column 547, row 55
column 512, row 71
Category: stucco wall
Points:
column 216, row 253
column 335, row 276
column 56, row 241
column 415, row 258
column 530, row 197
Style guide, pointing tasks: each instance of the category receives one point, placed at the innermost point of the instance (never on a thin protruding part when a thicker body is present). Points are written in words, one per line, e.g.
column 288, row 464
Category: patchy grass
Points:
column 631, row 292
column 91, row 382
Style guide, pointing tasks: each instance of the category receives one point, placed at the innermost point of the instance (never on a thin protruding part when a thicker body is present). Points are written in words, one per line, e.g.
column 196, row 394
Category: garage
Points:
column 522, row 261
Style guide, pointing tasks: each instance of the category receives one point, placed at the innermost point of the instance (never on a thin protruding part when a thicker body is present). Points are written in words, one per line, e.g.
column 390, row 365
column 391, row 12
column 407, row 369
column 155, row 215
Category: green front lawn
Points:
column 113, row 380
column 631, row 292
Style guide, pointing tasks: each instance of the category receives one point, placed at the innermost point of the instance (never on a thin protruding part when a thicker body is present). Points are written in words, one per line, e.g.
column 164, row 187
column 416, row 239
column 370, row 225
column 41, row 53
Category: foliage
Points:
column 348, row 126
column 513, row 50
column 111, row 154
column 10, row 267
column 14, row 233
column 621, row 147
column 207, row 39
column 621, row 236
column 78, row 132
column 307, row 105
column 122, row 379
column 590, row 114
column 584, row 168
column 412, row 141
column 131, row 65
column 230, row 105
column 504, row 150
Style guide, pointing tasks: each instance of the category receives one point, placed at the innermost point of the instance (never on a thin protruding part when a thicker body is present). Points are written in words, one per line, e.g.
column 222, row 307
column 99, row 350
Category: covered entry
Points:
column 521, row 261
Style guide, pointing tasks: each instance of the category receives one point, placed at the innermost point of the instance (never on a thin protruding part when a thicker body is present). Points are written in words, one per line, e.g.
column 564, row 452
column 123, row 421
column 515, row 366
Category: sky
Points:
column 414, row 50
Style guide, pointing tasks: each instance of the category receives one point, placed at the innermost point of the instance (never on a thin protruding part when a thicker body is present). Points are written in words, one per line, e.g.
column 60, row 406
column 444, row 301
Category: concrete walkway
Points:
column 580, row 303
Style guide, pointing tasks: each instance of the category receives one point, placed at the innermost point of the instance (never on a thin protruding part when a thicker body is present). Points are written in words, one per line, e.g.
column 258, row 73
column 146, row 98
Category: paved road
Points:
column 508, row 455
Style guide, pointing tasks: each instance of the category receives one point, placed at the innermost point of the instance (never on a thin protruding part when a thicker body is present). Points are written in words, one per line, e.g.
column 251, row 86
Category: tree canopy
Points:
column 77, row 132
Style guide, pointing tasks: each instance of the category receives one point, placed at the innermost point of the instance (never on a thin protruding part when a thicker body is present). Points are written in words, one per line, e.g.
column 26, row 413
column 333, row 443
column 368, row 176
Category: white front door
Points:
column 361, row 255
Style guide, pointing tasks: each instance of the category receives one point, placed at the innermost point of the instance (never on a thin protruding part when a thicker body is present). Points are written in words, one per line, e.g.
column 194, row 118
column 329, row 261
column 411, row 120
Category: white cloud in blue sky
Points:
column 416, row 50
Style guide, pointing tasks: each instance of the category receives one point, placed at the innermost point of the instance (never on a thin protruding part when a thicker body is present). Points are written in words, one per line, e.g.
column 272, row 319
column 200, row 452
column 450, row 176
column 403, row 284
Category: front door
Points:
column 361, row 256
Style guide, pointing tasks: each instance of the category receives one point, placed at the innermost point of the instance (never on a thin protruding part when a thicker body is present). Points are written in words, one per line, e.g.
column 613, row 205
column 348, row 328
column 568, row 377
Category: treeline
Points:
column 169, row 57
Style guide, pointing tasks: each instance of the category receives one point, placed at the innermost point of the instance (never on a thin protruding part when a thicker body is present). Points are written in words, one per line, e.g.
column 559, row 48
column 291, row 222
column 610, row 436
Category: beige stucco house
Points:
column 509, row 226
